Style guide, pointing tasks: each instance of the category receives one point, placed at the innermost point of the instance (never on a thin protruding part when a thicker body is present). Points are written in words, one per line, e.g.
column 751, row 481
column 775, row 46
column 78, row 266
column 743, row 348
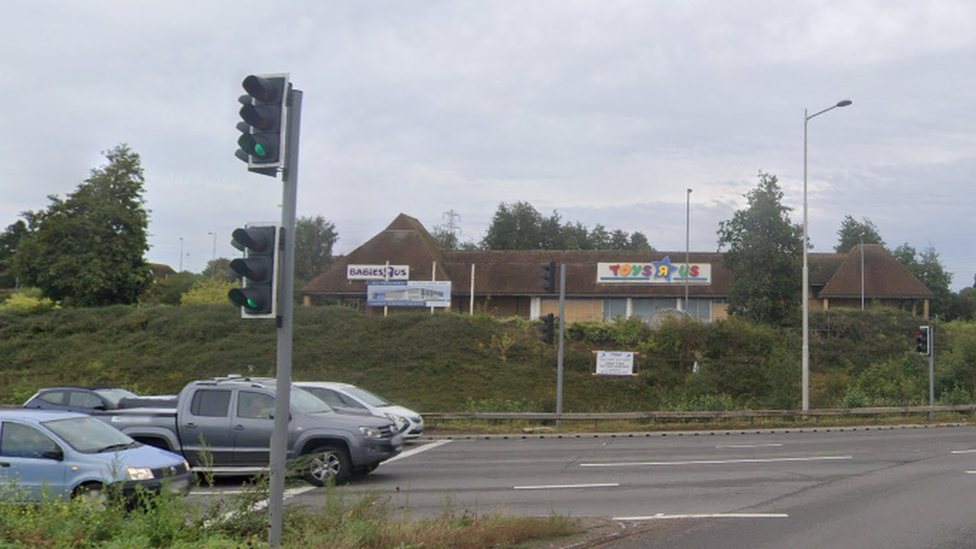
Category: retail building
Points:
column 404, row 266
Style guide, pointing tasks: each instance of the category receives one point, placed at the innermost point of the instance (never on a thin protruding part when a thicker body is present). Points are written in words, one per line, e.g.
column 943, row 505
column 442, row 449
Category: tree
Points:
column 220, row 268
column 445, row 237
column 764, row 256
column 515, row 227
column 314, row 239
column 9, row 240
column 88, row 249
column 929, row 271
column 639, row 243
column 852, row 233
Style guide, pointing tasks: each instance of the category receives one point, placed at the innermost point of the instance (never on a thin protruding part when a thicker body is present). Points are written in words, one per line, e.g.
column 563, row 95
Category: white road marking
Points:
column 971, row 472
column 964, row 452
column 566, row 486
column 662, row 516
column 418, row 450
column 770, row 445
column 715, row 461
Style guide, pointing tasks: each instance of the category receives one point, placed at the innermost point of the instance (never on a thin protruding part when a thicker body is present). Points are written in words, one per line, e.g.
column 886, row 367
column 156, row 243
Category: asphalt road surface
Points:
column 849, row 488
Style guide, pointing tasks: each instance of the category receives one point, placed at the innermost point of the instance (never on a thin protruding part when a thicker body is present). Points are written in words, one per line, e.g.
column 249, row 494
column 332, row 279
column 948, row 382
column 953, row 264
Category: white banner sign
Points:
column 614, row 363
column 654, row 272
column 414, row 293
column 378, row 272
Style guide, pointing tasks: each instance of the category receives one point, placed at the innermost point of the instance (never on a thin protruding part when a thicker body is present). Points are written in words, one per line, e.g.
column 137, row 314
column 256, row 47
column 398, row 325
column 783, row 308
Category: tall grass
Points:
column 240, row 521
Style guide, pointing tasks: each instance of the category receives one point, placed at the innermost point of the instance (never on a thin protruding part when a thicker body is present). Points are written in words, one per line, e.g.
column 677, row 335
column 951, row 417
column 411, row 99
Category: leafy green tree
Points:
column 639, row 243
column 522, row 227
column 170, row 290
column 764, row 256
column 445, row 237
column 514, row 227
column 853, row 232
column 9, row 239
column 89, row 249
column 314, row 239
column 220, row 268
column 929, row 271
column 209, row 291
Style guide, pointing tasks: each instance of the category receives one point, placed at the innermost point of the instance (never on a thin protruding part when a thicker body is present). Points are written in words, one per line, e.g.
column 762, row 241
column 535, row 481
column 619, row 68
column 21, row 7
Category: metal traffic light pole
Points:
column 286, row 310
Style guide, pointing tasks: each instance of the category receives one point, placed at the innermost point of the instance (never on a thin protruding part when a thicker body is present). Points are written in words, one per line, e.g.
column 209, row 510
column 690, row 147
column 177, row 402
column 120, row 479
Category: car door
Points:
column 29, row 463
column 85, row 402
column 252, row 428
column 205, row 428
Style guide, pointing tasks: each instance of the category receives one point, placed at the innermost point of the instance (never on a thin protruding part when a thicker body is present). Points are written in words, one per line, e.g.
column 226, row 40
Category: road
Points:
column 850, row 488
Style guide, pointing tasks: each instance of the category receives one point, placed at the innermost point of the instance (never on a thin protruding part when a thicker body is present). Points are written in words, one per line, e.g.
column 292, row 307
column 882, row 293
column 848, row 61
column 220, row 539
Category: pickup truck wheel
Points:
column 327, row 463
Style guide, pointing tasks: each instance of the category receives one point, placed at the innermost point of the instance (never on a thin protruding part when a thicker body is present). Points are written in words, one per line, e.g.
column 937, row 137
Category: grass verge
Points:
column 173, row 522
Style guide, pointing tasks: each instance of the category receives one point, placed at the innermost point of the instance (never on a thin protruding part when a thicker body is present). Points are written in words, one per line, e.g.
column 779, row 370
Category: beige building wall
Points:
column 577, row 310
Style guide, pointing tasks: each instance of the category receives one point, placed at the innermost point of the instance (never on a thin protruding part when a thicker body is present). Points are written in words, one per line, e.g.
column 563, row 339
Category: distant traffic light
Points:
column 922, row 340
column 549, row 276
column 257, row 296
column 262, row 140
column 548, row 329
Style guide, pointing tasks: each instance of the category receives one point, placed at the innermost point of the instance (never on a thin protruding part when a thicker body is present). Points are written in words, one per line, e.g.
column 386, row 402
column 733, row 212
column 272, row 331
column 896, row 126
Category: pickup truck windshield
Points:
column 307, row 403
column 87, row 434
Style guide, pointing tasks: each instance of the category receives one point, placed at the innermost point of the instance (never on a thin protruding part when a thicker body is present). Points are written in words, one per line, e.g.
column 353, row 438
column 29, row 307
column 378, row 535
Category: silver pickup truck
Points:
column 224, row 426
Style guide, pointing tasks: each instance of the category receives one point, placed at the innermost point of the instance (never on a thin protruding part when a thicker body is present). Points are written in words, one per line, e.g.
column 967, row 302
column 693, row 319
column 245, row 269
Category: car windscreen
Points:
column 307, row 403
column 115, row 395
column 366, row 396
column 89, row 435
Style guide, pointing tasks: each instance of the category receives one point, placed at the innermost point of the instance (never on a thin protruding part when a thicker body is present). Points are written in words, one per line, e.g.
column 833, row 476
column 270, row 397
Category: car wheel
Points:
column 327, row 463
column 92, row 493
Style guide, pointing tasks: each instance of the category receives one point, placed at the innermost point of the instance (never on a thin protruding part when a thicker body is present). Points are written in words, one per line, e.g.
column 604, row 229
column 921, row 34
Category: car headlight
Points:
column 139, row 473
column 400, row 421
column 370, row 432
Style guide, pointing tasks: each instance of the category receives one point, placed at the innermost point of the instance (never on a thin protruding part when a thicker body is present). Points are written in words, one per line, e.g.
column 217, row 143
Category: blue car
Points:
column 53, row 453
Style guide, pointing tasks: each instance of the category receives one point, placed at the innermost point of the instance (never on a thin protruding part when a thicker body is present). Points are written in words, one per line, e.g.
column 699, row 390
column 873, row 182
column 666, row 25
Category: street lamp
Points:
column 213, row 257
column 687, row 244
column 806, row 266
column 181, row 254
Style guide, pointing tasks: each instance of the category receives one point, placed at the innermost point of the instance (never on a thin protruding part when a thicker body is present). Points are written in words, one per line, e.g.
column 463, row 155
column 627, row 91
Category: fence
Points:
column 706, row 416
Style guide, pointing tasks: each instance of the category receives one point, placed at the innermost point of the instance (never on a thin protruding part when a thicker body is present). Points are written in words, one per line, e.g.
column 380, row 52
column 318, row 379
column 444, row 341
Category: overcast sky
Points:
column 604, row 111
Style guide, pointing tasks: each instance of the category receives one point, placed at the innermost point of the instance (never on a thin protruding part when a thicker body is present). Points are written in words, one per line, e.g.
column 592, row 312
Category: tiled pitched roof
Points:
column 517, row 272
column 883, row 276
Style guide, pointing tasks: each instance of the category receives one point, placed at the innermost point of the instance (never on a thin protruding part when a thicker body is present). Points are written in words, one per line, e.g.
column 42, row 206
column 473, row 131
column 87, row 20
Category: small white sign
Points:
column 614, row 363
column 378, row 272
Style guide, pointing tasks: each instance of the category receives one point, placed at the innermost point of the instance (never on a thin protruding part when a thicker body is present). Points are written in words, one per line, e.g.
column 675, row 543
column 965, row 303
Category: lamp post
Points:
column 806, row 266
column 687, row 244
column 862, row 270
column 213, row 256
column 181, row 254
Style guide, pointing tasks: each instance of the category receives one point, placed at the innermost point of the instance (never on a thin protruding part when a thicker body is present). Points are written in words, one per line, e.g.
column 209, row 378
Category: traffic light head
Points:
column 549, row 276
column 548, row 329
column 262, row 140
column 258, row 269
column 922, row 340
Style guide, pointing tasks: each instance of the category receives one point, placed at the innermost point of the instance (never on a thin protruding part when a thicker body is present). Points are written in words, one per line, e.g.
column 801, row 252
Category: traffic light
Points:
column 922, row 340
column 257, row 296
column 549, row 276
column 548, row 329
column 262, row 140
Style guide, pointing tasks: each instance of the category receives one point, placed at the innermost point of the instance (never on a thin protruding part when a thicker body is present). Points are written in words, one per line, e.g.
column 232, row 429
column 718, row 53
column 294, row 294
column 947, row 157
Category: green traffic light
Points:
column 251, row 304
column 260, row 150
